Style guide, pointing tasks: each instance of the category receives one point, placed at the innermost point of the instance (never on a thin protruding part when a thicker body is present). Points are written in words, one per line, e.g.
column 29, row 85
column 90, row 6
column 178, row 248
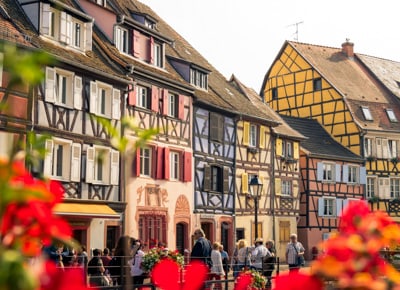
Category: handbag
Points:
column 300, row 258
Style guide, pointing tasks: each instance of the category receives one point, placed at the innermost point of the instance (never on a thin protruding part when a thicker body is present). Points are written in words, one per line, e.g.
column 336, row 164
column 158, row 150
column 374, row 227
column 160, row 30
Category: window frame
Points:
column 158, row 54
column 324, row 203
column 253, row 135
column 198, row 78
column 353, row 174
column 394, row 188
column 370, row 187
column 392, row 148
column 122, row 39
column 367, row 113
column 144, row 159
column 325, row 172
column 317, row 84
column 391, row 116
column 143, row 97
column 173, row 102
column 216, row 179
column 368, row 147
column 286, row 188
column 174, row 165
column 274, row 93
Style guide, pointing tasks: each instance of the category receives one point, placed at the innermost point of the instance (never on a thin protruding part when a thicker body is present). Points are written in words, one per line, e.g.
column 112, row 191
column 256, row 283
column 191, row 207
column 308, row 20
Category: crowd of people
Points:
column 122, row 265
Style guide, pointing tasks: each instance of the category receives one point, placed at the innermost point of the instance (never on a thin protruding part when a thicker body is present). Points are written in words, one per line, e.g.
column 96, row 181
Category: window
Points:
column 198, row 78
column 368, row 147
column 102, row 165
column 274, row 93
column 367, row 114
column 216, row 178
column 172, row 105
column 105, row 101
column 392, row 144
column 371, row 185
column 286, row 187
column 253, row 136
column 391, row 115
column 152, row 229
column 394, row 188
column 63, row 88
column 326, row 207
column 121, row 39
column 145, row 162
column 317, row 84
column 328, row 172
column 62, row 160
column 174, row 166
column 65, row 28
column 353, row 174
column 287, row 149
column 158, row 55
column 143, row 97
column 216, row 127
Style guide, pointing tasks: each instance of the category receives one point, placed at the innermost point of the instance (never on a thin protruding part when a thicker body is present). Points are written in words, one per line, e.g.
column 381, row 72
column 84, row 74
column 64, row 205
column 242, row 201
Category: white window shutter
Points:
column 93, row 97
column 116, row 104
column 385, row 148
column 90, row 164
column 114, row 167
column 321, row 206
column 46, row 12
column 320, row 171
column 337, row 172
column 77, row 93
column 340, row 204
column 50, row 94
column 345, row 173
column 88, row 36
column 69, row 30
column 363, row 175
column 48, row 159
column 63, row 27
column 76, row 162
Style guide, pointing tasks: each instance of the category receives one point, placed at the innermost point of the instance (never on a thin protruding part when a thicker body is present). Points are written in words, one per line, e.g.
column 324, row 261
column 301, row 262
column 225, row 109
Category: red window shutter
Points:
column 166, row 163
column 154, row 98
column 132, row 96
column 136, row 163
column 153, row 162
column 187, row 166
column 165, row 101
column 136, row 43
column 181, row 107
column 160, row 163
column 151, row 50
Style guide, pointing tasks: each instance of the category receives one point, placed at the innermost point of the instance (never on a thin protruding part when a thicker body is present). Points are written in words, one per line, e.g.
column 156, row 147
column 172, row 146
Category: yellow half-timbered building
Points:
column 354, row 97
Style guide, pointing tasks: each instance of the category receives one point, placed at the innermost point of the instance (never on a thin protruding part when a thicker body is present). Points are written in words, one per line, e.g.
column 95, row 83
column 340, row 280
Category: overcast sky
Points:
column 243, row 37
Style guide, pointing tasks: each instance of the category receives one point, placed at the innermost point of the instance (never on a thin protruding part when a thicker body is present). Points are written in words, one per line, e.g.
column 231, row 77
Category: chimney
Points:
column 347, row 48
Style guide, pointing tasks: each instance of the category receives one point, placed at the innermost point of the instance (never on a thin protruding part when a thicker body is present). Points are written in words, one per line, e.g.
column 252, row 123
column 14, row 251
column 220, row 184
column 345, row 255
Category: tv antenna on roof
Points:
column 296, row 34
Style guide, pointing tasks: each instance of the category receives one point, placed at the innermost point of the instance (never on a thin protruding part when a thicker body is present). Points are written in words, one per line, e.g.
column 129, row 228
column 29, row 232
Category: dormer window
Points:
column 198, row 78
column 144, row 19
column 391, row 115
column 101, row 2
column 367, row 113
column 65, row 28
column 121, row 39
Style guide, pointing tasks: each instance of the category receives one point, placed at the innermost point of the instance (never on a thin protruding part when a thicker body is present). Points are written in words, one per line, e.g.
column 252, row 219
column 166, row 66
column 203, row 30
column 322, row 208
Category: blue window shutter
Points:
column 345, row 173
column 320, row 171
column 337, row 172
column 339, row 206
column 363, row 175
column 321, row 206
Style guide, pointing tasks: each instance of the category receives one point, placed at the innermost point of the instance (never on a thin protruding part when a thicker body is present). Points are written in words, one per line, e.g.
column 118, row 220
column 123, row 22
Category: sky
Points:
column 243, row 37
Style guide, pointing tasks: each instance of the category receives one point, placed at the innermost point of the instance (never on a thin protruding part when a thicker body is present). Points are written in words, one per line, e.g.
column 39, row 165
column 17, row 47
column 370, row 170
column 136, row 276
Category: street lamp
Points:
column 255, row 186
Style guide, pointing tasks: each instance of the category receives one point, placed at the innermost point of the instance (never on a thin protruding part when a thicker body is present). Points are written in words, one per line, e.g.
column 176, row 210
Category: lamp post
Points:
column 255, row 186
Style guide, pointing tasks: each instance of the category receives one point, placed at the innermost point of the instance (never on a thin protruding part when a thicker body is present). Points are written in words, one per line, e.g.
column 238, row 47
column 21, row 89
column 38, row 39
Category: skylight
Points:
column 367, row 113
column 391, row 115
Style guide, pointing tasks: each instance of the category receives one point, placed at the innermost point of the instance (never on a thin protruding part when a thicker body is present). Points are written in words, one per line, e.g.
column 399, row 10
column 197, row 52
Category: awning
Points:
column 86, row 210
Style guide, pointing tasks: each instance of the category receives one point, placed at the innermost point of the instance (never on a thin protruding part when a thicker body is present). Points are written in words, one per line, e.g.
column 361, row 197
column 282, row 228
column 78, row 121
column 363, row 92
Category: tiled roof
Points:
column 93, row 61
column 319, row 142
column 354, row 81
column 280, row 126
column 220, row 94
column 9, row 32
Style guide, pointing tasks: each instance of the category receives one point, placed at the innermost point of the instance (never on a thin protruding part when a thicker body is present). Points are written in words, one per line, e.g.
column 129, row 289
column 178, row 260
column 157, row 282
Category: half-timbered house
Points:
column 159, row 189
column 332, row 176
column 256, row 154
column 79, row 86
column 349, row 95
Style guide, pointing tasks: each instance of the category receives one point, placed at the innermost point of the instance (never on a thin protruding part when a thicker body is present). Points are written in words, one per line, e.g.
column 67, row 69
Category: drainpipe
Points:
column 272, row 181
column 234, row 180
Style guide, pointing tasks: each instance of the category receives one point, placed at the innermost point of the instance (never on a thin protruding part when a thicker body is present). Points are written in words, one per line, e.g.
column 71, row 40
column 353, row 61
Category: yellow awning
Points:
column 86, row 210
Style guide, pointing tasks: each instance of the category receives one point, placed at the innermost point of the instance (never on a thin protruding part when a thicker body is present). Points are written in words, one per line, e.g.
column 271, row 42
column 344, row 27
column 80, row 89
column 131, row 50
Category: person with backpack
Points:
column 258, row 254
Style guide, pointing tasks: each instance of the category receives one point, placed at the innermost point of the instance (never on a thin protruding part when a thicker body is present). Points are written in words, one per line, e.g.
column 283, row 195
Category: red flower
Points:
column 167, row 275
column 57, row 279
column 297, row 281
